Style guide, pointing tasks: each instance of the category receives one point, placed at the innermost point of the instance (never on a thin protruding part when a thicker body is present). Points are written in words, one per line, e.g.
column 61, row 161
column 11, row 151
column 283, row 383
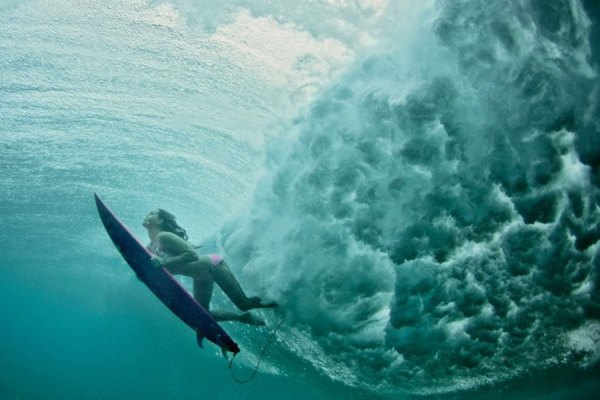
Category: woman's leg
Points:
column 223, row 276
column 203, row 288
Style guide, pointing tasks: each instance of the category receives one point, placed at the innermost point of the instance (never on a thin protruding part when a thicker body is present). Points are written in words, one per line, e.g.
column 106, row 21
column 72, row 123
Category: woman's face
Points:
column 152, row 219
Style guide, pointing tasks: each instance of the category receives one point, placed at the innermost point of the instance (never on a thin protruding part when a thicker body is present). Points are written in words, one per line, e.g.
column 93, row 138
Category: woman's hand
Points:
column 157, row 262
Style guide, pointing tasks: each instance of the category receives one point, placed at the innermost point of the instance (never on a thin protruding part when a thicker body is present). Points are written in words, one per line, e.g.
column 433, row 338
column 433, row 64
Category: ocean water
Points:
column 416, row 183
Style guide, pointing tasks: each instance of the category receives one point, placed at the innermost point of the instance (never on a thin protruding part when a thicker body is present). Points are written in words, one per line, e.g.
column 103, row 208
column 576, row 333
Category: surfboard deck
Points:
column 164, row 286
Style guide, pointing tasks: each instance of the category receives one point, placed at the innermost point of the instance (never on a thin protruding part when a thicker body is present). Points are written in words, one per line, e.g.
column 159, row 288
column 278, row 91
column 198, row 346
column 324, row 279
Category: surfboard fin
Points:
column 199, row 338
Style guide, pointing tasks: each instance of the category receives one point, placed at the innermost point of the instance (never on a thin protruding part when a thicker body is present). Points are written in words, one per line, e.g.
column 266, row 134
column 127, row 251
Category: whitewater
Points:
column 415, row 183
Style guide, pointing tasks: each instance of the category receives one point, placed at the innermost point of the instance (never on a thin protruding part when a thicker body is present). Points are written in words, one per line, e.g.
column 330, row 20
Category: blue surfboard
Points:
column 162, row 284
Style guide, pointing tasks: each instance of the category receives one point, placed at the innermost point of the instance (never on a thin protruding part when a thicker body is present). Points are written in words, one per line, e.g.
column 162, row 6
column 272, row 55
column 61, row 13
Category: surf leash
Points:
column 262, row 353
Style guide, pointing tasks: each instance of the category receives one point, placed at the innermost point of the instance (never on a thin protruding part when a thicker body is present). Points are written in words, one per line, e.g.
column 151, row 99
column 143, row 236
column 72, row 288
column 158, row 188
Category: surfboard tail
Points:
column 224, row 347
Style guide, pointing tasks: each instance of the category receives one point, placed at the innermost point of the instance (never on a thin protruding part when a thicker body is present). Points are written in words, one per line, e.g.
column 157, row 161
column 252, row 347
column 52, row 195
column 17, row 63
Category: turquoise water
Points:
column 414, row 182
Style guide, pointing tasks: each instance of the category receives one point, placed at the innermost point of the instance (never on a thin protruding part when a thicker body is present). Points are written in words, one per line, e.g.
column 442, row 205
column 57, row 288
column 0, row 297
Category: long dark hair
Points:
column 170, row 225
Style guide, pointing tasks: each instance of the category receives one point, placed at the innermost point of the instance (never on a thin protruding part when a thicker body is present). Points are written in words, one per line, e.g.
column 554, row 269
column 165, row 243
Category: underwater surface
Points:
column 416, row 183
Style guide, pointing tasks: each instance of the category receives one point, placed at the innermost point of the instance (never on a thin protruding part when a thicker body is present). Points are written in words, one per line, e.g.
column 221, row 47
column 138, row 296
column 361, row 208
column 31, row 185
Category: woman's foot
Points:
column 245, row 317
column 256, row 302
column 251, row 319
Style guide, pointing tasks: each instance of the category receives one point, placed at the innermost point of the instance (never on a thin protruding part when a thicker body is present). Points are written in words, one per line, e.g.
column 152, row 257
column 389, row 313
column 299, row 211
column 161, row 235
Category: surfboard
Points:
column 163, row 284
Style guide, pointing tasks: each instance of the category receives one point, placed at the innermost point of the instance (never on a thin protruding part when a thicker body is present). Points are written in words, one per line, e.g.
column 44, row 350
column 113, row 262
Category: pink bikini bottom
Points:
column 215, row 259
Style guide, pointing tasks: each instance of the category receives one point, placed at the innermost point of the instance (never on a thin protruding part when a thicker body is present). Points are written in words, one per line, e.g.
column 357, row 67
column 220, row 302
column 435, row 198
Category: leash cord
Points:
column 262, row 353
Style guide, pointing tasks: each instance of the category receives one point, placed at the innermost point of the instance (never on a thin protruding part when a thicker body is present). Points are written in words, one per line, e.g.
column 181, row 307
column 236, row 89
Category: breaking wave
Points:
column 430, row 221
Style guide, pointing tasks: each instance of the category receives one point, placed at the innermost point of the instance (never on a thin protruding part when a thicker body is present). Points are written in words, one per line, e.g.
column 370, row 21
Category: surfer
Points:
column 168, row 242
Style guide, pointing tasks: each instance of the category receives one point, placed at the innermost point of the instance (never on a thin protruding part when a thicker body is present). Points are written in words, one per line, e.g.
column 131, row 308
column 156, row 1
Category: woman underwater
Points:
column 168, row 241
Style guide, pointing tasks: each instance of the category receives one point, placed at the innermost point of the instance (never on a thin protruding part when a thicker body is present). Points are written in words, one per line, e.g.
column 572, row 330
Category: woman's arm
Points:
column 180, row 252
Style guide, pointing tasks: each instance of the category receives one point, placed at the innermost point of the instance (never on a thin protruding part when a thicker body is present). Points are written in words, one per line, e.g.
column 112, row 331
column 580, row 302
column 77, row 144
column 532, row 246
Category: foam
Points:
column 427, row 222
column 586, row 341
